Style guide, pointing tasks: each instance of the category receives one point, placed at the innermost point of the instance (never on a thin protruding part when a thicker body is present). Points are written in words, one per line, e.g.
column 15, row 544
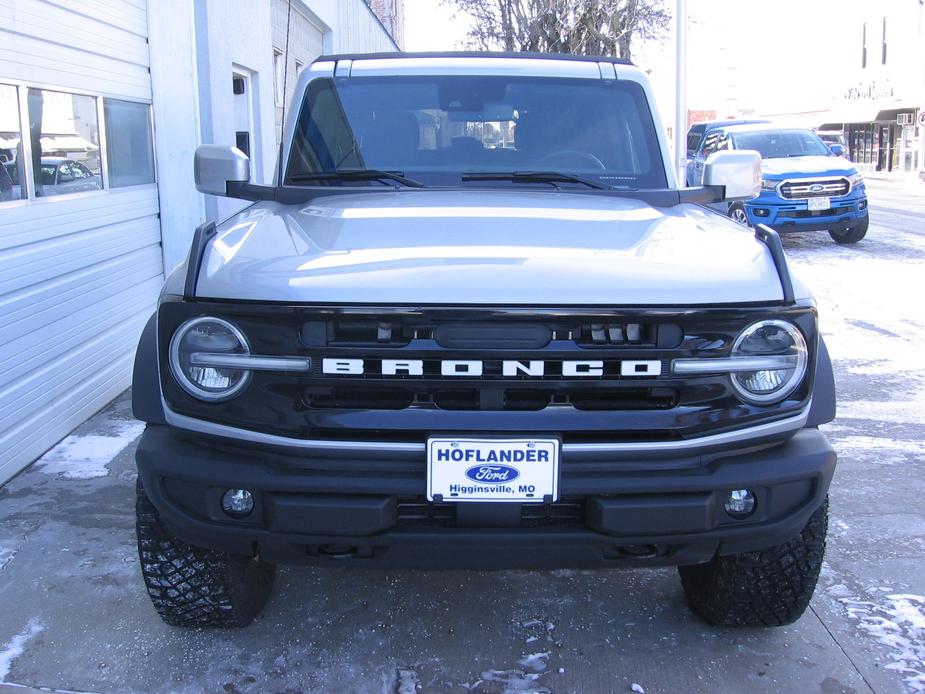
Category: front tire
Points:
column 853, row 234
column 196, row 587
column 771, row 587
column 737, row 214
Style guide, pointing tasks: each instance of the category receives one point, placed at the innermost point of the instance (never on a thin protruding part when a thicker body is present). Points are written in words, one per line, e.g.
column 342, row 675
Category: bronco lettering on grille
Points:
column 474, row 368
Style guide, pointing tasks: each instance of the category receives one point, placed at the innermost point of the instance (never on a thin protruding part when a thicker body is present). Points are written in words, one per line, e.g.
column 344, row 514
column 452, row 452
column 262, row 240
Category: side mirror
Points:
column 215, row 166
column 837, row 149
column 738, row 171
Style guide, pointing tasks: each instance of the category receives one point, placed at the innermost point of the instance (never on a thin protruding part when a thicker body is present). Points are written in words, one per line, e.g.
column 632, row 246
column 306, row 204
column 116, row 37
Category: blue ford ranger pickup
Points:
column 476, row 323
column 806, row 185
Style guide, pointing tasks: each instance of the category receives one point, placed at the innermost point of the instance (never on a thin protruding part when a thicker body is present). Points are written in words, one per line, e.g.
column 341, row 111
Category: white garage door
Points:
column 80, row 257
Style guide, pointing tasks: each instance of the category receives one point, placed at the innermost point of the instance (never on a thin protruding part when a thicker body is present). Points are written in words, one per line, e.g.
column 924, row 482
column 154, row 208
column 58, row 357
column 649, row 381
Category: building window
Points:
column 11, row 161
column 58, row 143
column 63, row 128
column 864, row 45
column 883, row 44
column 129, row 152
column 279, row 66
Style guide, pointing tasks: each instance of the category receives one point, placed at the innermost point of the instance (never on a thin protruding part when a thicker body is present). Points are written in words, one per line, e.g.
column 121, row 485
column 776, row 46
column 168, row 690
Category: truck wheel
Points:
column 737, row 214
column 196, row 587
column 767, row 588
column 852, row 234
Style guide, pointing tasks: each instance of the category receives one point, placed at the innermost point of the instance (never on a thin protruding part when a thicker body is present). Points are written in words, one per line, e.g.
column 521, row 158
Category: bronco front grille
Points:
column 800, row 189
column 588, row 374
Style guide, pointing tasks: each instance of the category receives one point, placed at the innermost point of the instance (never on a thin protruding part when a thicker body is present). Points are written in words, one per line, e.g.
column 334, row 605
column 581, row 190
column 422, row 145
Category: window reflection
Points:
column 129, row 154
column 65, row 136
column 11, row 160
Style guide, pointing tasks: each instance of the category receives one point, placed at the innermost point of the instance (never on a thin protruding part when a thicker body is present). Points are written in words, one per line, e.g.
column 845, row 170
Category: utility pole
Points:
column 680, row 119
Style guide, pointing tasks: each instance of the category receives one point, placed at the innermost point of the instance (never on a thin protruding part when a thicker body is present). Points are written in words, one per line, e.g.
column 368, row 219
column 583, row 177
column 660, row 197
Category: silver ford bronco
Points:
column 476, row 323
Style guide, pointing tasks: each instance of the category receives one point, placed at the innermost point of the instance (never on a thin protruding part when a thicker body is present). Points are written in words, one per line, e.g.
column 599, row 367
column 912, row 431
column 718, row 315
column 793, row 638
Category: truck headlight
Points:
column 769, row 185
column 772, row 341
column 211, row 337
column 856, row 179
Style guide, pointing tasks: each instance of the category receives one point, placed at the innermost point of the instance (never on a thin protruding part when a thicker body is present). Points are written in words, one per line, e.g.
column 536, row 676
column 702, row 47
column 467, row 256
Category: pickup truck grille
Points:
column 797, row 189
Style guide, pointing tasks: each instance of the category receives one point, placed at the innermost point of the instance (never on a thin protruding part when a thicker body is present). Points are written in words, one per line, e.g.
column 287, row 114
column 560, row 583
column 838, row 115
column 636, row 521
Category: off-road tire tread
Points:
column 196, row 587
column 853, row 235
column 771, row 587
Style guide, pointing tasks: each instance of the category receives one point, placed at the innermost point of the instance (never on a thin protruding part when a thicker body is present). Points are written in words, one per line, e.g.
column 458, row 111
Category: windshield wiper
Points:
column 551, row 177
column 357, row 175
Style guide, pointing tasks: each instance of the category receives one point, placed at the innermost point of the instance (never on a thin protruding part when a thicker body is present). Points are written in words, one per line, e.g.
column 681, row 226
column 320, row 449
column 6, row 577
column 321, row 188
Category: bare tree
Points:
column 588, row 27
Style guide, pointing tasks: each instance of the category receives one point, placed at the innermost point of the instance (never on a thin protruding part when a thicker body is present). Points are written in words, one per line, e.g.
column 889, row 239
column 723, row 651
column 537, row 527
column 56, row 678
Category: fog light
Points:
column 761, row 212
column 237, row 502
column 740, row 503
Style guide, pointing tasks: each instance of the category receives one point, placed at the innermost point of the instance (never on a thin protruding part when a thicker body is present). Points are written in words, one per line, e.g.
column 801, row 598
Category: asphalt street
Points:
column 74, row 615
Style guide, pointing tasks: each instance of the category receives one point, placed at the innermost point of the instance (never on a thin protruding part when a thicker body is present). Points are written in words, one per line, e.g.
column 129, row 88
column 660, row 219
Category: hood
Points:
column 486, row 247
column 797, row 167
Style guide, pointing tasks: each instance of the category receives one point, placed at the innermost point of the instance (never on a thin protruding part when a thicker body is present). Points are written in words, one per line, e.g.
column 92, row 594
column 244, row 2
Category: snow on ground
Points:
column 86, row 457
column 897, row 623
column 15, row 647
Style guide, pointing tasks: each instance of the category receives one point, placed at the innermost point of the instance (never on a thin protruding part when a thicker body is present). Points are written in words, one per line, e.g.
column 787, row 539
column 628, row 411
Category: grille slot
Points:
column 796, row 190
column 496, row 398
column 808, row 214
column 418, row 512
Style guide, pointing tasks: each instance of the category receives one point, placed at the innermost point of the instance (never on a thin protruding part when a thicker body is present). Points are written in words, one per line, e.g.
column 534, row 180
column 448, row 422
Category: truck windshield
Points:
column 777, row 144
column 445, row 130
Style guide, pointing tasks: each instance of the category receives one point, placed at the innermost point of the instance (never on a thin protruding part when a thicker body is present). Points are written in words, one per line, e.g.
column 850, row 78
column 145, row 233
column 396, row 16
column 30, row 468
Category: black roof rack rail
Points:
column 475, row 54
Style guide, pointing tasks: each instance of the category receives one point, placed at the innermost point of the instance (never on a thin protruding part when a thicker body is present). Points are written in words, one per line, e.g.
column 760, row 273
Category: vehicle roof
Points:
column 762, row 127
column 54, row 160
column 474, row 54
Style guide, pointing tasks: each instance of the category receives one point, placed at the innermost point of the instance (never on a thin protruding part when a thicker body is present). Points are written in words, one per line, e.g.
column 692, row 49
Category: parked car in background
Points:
column 804, row 186
column 61, row 176
column 695, row 138
column 6, row 183
column 834, row 137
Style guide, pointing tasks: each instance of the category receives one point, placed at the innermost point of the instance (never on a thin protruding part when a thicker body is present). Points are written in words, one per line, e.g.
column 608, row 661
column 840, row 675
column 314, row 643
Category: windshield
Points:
column 435, row 129
column 776, row 144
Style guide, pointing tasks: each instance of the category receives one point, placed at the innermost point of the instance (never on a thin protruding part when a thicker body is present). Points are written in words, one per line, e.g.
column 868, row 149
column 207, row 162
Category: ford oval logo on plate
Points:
column 492, row 474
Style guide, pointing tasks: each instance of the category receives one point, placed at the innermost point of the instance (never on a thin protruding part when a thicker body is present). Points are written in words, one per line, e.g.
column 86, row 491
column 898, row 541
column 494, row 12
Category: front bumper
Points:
column 793, row 215
column 330, row 508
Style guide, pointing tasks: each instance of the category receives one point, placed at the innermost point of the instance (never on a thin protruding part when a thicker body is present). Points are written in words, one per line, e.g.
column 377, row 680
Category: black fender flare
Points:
column 146, row 386
column 822, row 410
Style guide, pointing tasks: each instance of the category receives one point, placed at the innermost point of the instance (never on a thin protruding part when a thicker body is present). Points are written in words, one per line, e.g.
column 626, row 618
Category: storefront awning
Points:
column 864, row 112
column 67, row 143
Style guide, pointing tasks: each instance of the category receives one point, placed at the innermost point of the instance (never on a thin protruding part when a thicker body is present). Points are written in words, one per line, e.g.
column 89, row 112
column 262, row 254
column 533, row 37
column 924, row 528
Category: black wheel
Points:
column 196, row 587
column 767, row 588
column 852, row 234
column 737, row 214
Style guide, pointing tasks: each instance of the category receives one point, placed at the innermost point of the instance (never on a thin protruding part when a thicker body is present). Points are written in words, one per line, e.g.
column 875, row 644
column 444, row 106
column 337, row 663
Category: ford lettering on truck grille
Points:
column 475, row 368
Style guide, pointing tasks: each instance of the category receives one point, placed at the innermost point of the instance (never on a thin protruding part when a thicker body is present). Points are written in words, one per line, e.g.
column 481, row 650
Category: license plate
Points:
column 521, row 470
column 819, row 204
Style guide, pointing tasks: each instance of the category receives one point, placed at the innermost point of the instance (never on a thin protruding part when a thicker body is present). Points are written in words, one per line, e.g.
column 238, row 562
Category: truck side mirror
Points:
column 837, row 149
column 738, row 171
column 215, row 166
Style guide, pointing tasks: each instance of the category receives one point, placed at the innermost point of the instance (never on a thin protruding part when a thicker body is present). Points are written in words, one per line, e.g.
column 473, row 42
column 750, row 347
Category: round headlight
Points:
column 770, row 338
column 194, row 345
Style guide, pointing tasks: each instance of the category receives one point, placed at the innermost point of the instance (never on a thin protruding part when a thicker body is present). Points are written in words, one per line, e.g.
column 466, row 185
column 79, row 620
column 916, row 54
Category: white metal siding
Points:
column 79, row 274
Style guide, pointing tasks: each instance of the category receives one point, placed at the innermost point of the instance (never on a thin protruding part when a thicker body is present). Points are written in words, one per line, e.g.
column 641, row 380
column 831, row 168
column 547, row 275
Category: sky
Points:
column 736, row 57
column 431, row 25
